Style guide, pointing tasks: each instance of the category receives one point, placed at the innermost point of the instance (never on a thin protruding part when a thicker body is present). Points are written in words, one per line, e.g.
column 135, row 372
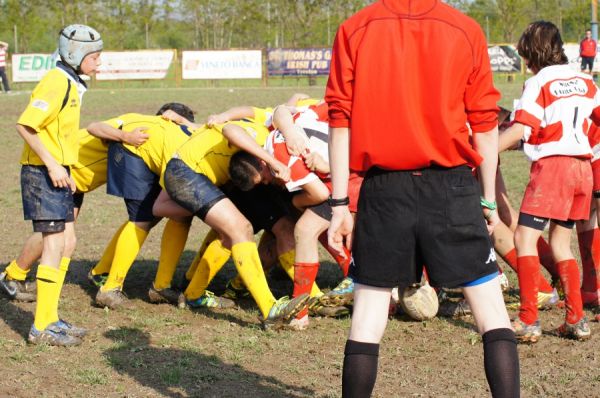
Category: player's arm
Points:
column 511, row 137
column 104, row 131
column 486, row 144
column 312, row 194
column 235, row 113
column 341, row 225
column 175, row 117
column 58, row 174
column 237, row 136
column 295, row 137
column 315, row 162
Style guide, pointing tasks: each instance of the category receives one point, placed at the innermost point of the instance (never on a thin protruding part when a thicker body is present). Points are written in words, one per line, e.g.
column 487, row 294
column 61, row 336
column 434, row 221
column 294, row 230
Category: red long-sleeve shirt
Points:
column 406, row 77
column 587, row 48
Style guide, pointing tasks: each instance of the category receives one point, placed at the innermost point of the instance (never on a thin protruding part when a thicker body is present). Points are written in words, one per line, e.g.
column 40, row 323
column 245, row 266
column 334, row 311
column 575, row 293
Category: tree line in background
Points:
column 220, row 24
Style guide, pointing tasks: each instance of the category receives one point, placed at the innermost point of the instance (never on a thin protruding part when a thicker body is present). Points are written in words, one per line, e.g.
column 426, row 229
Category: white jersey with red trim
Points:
column 556, row 107
column 314, row 121
column 2, row 57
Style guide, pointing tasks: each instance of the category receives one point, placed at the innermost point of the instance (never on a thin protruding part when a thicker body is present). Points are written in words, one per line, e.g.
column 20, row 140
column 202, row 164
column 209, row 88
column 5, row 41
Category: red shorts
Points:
column 596, row 173
column 560, row 188
column 354, row 182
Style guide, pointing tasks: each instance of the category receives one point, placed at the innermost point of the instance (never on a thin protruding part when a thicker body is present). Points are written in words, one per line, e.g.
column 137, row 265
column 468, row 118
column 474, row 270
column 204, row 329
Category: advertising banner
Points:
column 504, row 58
column 129, row 65
column 31, row 67
column 298, row 61
column 239, row 64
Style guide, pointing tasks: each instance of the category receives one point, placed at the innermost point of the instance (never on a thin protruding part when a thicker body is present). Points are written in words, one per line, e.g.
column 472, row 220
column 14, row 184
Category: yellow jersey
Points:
column 89, row 172
column 164, row 139
column 208, row 152
column 56, row 128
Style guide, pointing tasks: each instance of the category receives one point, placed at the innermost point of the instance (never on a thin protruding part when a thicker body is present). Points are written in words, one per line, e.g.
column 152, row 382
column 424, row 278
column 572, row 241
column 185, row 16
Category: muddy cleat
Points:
column 233, row 293
column 209, row 300
column 18, row 290
column 167, row 295
column 577, row 331
column 285, row 309
column 316, row 308
column 298, row 323
column 342, row 294
column 545, row 300
column 527, row 333
column 97, row 280
column 70, row 329
column 112, row 299
column 454, row 309
column 52, row 335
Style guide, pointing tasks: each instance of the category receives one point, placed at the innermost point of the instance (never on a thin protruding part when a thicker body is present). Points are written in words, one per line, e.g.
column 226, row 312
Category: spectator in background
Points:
column 3, row 53
column 587, row 51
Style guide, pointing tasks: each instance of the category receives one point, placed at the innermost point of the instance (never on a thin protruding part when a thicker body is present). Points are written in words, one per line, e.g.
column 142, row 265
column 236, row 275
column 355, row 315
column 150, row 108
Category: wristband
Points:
column 338, row 202
column 488, row 205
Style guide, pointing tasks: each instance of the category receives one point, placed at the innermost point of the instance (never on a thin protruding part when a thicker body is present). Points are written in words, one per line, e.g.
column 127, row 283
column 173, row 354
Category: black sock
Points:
column 501, row 361
column 360, row 369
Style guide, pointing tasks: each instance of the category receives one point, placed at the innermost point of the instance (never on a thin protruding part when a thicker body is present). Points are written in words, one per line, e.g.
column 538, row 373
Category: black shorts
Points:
column 263, row 205
column 587, row 62
column 127, row 175
column 190, row 190
column 48, row 207
column 539, row 223
column 78, row 200
column 141, row 210
column 323, row 210
column 410, row 219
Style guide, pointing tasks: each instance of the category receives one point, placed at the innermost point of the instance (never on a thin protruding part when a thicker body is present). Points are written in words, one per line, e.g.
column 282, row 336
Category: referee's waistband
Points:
column 373, row 171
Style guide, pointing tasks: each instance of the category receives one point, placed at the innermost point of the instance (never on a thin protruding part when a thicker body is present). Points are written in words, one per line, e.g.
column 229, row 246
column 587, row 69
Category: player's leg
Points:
column 575, row 325
column 500, row 356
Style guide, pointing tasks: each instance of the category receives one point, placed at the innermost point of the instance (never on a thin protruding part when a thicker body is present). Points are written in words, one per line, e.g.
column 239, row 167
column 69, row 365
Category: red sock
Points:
column 569, row 278
column 511, row 259
column 546, row 259
column 528, row 271
column 304, row 277
column 589, row 248
column 344, row 263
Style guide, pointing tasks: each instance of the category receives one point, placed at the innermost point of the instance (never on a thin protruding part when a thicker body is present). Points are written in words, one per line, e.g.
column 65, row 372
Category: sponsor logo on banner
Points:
column 130, row 65
column 31, row 67
column 240, row 64
column 298, row 61
column 504, row 59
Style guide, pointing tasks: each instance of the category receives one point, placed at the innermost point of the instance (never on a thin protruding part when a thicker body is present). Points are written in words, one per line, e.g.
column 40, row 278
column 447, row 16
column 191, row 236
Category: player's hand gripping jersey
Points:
column 556, row 107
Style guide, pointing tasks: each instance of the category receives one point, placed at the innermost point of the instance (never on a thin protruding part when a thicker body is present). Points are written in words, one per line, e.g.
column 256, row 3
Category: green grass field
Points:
column 161, row 351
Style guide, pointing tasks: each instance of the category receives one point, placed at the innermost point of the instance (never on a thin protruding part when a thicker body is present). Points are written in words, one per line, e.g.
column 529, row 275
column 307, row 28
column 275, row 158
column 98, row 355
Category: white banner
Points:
column 572, row 52
column 145, row 64
column 222, row 64
column 31, row 67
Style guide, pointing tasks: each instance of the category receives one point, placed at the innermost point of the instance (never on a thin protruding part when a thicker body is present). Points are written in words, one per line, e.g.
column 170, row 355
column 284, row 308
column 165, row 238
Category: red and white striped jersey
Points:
column 556, row 107
column 314, row 121
column 594, row 139
column 2, row 57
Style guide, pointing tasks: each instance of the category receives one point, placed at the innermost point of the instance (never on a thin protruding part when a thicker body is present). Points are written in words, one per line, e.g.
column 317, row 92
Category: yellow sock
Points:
column 287, row 263
column 62, row 273
column 47, row 299
column 13, row 271
column 214, row 258
column 128, row 246
column 208, row 239
column 171, row 246
column 247, row 262
column 103, row 266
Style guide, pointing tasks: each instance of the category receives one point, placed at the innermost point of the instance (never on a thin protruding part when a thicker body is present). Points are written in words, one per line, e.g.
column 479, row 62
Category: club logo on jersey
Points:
column 567, row 88
column 40, row 104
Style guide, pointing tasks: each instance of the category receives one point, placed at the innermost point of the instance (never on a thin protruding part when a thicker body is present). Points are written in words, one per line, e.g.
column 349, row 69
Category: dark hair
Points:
column 542, row 46
column 242, row 169
column 180, row 109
